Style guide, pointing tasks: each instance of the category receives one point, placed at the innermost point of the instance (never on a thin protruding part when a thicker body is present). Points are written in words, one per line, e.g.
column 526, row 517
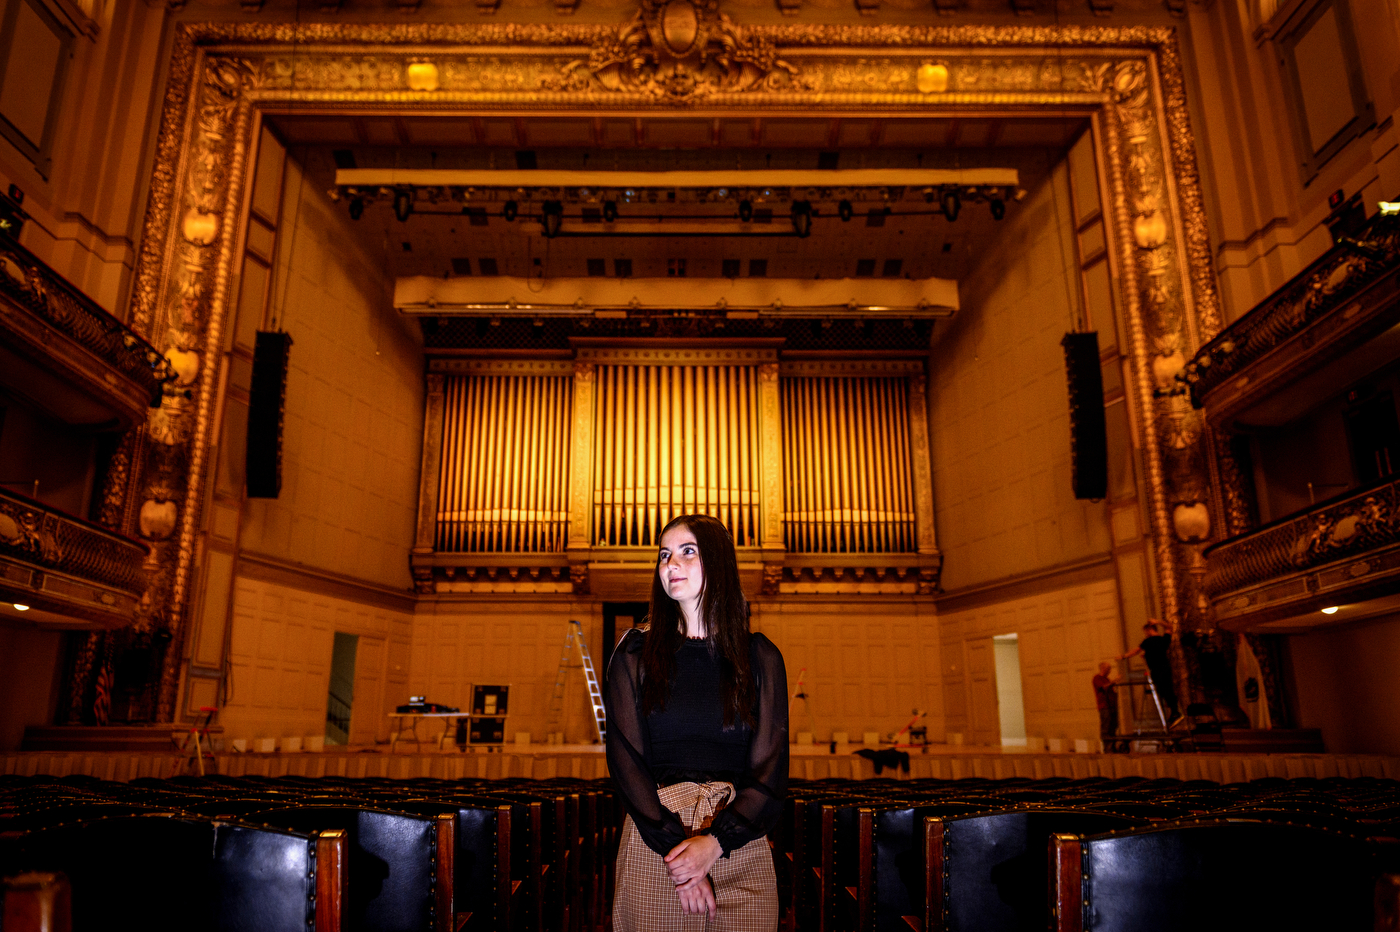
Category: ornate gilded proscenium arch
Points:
column 670, row 58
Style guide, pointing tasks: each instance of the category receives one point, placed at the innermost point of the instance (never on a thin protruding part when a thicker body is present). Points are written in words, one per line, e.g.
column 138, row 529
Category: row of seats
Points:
column 1133, row 854
column 321, row 855
column 318, row 855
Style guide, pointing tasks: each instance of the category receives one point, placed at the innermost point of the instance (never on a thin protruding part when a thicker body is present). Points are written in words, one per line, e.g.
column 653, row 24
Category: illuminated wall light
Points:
column 1331, row 611
column 21, row 608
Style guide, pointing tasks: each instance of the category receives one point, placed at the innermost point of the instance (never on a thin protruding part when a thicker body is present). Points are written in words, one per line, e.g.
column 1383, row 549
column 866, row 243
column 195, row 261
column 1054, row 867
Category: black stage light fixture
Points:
column 802, row 218
column 552, row 218
column 951, row 204
column 357, row 208
column 609, row 211
column 403, row 204
column 845, row 210
column 510, row 211
column 998, row 208
column 746, row 210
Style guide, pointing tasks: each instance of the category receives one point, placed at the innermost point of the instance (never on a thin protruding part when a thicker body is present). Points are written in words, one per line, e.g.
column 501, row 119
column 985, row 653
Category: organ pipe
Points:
column 848, row 480
column 503, row 482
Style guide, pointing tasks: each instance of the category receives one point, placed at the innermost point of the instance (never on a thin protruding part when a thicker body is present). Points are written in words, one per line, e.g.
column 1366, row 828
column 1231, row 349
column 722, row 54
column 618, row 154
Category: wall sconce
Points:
column 998, row 208
column 746, row 210
column 552, row 218
column 610, row 211
column 951, row 204
column 403, row 204
column 845, row 211
column 802, row 218
column 510, row 211
column 357, row 208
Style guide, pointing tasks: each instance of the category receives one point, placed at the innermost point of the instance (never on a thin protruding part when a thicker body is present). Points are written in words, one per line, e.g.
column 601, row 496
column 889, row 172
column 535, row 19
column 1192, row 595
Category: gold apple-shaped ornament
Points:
column 156, row 519
column 422, row 76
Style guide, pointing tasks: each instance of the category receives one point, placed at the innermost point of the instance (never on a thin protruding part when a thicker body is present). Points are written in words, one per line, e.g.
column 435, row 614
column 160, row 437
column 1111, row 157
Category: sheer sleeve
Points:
column 754, row 811
column 659, row 827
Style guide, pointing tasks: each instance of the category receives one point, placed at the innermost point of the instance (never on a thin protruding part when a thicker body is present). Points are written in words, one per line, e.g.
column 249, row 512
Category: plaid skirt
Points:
column 746, row 890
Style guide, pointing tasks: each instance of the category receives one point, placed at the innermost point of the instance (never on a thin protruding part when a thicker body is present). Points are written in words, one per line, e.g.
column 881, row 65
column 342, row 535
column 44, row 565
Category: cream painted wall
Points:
column 280, row 659
column 869, row 664
column 999, row 406
column 1063, row 634
column 459, row 644
column 354, row 410
column 1346, row 684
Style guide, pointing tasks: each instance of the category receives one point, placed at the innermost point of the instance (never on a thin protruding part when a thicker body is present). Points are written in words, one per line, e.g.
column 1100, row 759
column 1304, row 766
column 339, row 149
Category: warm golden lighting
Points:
column 1331, row 611
column 21, row 608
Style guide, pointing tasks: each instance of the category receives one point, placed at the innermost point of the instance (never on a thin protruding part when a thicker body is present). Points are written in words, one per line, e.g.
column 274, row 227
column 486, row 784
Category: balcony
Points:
column 67, row 572
column 1342, row 554
column 1336, row 318
column 66, row 355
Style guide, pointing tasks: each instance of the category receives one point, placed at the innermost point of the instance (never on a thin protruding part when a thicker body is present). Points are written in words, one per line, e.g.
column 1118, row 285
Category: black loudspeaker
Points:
column 267, row 399
column 1088, row 436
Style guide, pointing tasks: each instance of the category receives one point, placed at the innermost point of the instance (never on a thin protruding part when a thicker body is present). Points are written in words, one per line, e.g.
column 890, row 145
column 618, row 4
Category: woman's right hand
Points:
column 697, row 896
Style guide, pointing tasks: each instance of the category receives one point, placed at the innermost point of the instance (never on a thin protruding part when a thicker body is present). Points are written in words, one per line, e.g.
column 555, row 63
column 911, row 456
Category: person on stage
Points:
column 1153, row 649
column 697, row 744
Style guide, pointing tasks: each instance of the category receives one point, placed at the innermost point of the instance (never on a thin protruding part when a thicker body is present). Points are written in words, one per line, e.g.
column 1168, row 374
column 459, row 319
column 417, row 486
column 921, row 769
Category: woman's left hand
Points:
column 693, row 858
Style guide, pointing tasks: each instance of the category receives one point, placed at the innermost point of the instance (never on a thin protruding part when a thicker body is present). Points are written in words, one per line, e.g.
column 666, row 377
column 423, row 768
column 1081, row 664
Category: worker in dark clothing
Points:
column 1153, row 649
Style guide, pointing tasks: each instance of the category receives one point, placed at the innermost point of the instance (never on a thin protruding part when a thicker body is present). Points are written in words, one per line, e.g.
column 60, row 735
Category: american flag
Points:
column 102, row 703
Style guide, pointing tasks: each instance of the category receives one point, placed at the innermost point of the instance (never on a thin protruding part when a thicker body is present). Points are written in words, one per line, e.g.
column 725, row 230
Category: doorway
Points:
column 1011, row 707
column 618, row 619
column 342, row 689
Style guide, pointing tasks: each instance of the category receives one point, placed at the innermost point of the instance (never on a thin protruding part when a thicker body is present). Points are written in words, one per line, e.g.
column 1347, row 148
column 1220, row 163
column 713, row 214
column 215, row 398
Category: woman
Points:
column 698, row 747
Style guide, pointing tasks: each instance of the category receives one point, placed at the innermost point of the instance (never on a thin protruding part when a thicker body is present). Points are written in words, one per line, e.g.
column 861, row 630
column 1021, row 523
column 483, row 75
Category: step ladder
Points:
column 574, row 636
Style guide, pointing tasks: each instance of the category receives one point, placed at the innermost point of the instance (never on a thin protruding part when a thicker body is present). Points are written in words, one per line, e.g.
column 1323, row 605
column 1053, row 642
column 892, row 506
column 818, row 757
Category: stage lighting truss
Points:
column 729, row 205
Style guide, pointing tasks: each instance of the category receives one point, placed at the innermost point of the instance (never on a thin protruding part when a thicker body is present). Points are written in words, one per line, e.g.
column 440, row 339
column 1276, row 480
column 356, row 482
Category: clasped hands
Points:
column 689, row 863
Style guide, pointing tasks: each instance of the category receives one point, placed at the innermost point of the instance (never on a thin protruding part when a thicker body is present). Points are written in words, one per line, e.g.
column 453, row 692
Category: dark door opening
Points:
column 618, row 619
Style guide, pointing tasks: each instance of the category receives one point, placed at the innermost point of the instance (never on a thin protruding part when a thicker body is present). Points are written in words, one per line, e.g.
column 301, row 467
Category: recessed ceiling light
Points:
column 1331, row 611
column 21, row 608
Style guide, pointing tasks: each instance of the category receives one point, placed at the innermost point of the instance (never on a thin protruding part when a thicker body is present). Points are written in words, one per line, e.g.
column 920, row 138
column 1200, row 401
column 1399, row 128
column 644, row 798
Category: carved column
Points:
column 581, row 475
column 770, row 431
column 923, row 475
column 428, row 476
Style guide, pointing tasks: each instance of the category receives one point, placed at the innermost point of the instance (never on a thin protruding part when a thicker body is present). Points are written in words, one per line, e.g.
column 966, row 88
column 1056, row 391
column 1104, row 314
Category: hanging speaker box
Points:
column 267, row 399
column 1088, row 439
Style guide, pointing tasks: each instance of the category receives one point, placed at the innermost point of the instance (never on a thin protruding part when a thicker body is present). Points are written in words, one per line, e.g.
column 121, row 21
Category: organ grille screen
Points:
column 848, row 485
column 672, row 440
column 505, row 464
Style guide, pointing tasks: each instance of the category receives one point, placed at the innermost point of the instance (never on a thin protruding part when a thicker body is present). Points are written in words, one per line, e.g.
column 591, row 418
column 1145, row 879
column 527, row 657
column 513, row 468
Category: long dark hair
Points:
column 726, row 615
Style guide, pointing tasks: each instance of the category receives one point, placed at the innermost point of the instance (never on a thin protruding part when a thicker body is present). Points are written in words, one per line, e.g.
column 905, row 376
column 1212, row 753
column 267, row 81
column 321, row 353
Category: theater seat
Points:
column 1213, row 876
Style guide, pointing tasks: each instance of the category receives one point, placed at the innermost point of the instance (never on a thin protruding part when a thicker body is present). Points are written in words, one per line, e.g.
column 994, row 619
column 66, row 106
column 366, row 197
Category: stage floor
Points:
column 815, row 762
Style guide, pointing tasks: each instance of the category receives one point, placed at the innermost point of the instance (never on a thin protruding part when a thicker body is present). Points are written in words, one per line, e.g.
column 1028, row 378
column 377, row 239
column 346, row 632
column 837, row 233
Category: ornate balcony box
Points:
column 1308, row 338
column 1340, row 553
column 67, row 355
column 69, row 573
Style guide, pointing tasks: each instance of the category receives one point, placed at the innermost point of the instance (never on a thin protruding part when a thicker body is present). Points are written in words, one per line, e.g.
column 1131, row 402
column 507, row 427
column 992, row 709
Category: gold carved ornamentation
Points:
column 223, row 73
column 679, row 50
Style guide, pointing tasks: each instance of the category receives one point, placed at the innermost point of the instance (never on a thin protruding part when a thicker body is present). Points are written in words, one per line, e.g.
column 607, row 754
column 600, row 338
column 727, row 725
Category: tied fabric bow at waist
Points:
column 696, row 803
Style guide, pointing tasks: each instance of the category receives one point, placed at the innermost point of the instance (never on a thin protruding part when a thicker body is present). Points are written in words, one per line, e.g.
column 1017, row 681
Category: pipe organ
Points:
column 672, row 440
column 847, row 481
column 504, row 477
column 551, row 465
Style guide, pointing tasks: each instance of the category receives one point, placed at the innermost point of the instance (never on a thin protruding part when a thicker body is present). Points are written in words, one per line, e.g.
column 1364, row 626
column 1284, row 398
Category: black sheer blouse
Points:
column 687, row 740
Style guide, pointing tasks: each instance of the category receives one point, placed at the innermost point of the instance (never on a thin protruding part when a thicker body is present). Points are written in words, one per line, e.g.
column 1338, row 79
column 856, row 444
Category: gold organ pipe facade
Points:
column 846, row 468
column 504, row 476
column 554, row 466
column 672, row 440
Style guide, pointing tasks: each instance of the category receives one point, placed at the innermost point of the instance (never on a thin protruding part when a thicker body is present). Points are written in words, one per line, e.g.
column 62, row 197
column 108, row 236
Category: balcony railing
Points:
column 66, row 569
column 1341, row 280
column 47, row 302
column 1338, row 552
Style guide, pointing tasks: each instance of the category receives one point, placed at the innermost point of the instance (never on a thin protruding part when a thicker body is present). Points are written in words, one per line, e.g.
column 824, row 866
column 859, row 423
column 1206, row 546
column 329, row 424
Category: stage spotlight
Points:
column 510, row 211
column 746, row 210
column 609, row 211
column 357, row 208
column 998, row 208
column 403, row 205
column 552, row 218
column 951, row 204
column 845, row 210
column 802, row 219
